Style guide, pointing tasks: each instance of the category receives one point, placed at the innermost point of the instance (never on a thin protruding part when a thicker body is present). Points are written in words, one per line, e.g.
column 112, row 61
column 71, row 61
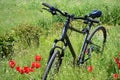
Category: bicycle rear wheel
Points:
column 96, row 41
column 53, row 66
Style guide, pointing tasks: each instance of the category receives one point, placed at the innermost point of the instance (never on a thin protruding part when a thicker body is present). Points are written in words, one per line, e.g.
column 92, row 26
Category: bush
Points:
column 27, row 35
column 6, row 45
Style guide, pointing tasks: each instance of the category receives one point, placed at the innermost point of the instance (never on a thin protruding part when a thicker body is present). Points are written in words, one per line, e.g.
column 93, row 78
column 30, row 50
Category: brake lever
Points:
column 45, row 9
column 52, row 11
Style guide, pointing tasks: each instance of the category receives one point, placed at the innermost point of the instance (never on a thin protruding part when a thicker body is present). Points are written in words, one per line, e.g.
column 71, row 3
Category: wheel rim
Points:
column 97, row 42
column 95, row 45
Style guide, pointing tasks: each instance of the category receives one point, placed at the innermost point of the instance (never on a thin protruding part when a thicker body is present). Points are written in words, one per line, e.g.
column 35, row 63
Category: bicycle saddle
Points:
column 95, row 14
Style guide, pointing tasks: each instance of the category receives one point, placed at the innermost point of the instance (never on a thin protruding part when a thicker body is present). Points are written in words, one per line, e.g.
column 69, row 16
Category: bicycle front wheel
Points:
column 52, row 67
column 96, row 40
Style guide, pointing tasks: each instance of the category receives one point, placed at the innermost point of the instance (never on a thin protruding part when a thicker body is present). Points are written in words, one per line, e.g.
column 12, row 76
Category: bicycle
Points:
column 57, row 53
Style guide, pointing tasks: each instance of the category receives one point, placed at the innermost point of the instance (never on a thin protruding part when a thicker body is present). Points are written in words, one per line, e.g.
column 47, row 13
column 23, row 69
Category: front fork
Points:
column 55, row 47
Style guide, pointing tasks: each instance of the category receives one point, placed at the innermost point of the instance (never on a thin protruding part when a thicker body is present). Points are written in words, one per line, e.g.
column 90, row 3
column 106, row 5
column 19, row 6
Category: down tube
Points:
column 71, row 48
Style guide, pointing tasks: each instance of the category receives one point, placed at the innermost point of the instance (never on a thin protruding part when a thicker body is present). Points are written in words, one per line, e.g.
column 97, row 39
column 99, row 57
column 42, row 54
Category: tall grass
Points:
column 15, row 12
column 22, row 12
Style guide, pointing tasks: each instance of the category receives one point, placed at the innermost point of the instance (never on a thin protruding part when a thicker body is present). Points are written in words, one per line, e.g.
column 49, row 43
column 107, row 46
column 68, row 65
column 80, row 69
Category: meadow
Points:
column 19, row 17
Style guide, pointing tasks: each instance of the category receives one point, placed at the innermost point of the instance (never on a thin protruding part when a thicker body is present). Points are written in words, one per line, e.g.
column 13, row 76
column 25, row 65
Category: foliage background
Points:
column 14, row 13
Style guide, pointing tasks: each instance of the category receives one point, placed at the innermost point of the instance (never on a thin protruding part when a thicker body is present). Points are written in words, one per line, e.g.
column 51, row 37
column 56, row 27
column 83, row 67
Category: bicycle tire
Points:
column 50, row 65
column 96, row 41
column 97, row 29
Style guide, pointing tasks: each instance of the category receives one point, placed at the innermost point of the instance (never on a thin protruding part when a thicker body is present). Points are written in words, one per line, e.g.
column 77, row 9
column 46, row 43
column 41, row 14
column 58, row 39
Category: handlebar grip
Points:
column 45, row 4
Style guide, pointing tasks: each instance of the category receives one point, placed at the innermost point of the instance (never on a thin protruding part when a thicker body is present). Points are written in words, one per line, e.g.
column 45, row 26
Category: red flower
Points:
column 26, row 69
column 33, row 64
column 116, row 60
column 37, row 65
column 21, row 71
column 118, row 53
column 118, row 64
column 115, row 76
column 89, row 68
column 31, row 69
column 18, row 68
column 87, row 51
column 37, row 58
column 11, row 63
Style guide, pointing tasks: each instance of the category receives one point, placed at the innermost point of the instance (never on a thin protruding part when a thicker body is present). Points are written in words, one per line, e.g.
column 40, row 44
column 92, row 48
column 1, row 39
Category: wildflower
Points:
column 11, row 63
column 26, row 69
column 89, row 68
column 33, row 64
column 87, row 51
column 18, row 68
column 116, row 60
column 115, row 76
column 21, row 71
column 118, row 64
column 37, row 65
column 118, row 53
column 31, row 69
column 37, row 58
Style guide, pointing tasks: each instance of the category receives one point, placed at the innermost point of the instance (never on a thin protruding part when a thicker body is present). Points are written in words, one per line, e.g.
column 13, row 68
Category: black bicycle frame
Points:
column 66, row 41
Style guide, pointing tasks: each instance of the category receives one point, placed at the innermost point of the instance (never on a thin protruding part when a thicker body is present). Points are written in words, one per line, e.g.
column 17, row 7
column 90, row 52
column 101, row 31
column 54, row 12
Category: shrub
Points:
column 6, row 45
column 28, row 35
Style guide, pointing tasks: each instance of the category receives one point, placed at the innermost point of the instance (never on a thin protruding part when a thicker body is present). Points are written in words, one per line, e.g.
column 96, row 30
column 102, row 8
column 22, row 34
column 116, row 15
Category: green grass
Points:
column 15, row 12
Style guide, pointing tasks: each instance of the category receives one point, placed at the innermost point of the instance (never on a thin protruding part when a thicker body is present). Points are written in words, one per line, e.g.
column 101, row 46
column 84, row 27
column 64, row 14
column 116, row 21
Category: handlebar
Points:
column 46, row 5
column 54, row 11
